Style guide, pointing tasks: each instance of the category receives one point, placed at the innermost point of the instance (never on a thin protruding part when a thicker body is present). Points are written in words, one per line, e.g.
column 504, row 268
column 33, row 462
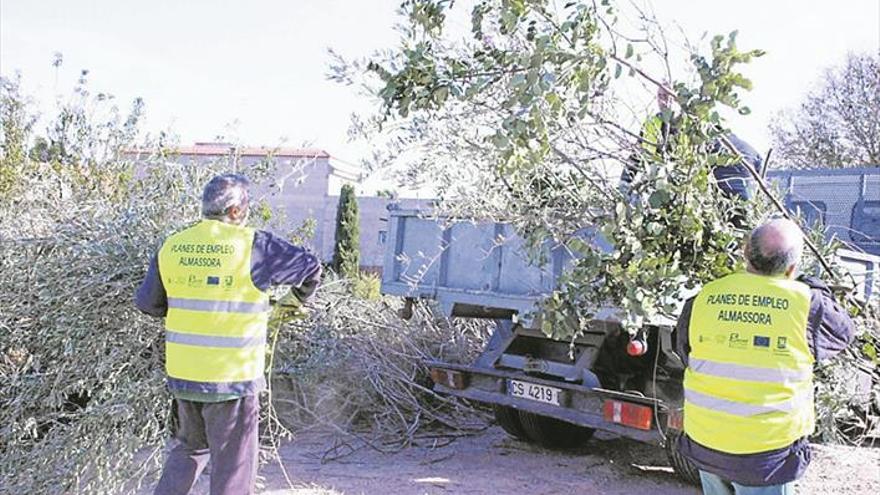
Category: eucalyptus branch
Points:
column 642, row 73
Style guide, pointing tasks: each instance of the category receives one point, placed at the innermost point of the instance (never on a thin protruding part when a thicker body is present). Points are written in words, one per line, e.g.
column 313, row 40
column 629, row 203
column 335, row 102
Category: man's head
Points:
column 775, row 248
column 664, row 98
column 225, row 198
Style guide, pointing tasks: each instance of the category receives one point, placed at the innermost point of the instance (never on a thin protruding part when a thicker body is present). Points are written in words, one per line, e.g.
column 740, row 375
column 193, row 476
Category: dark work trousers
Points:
column 227, row 433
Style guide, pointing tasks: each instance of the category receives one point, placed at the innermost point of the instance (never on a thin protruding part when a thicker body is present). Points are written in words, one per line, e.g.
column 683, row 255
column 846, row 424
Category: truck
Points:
column 557, row 393
column 845, row 201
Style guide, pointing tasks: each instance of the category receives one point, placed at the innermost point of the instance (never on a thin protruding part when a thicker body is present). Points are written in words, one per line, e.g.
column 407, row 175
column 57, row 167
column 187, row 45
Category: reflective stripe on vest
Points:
column 216, row 324
column 742, row 409
column 213, row 340
column 217, row 306
column 750, row 373
column 748, row 385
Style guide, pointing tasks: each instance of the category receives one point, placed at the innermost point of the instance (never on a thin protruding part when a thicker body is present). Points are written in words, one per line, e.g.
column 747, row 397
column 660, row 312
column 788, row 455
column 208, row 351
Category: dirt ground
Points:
column 492, row 462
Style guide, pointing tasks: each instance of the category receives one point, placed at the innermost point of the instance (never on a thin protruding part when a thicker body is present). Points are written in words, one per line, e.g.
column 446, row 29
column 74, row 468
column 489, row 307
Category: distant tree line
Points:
column 838, row 123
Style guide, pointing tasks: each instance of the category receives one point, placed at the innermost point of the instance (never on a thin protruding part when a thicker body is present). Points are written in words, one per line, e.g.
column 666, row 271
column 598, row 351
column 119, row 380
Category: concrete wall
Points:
column 306, row 188
column 298, row 192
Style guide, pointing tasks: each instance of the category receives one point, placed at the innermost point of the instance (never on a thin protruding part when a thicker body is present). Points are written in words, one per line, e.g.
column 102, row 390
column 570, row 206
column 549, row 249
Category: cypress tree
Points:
column 346, row 254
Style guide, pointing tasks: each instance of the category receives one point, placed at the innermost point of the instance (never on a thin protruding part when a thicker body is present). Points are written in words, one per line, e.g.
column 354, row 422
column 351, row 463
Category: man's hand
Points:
column 292, row 306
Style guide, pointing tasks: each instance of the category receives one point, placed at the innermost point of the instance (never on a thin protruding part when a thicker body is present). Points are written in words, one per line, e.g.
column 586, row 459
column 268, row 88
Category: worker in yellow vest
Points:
column 749, row 341
column 209, row 281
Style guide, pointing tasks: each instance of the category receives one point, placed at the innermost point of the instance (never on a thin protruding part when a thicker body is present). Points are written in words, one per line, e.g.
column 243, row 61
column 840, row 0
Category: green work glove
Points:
column 292, row 306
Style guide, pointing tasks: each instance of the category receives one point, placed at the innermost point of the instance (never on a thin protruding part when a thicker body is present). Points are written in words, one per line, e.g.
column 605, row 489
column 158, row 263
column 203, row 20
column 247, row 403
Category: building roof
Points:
column 223, row 149
column 344, row 170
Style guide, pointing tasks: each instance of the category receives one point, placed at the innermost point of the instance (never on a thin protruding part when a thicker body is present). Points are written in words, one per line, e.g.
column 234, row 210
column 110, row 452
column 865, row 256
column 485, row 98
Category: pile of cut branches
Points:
column 357, row 368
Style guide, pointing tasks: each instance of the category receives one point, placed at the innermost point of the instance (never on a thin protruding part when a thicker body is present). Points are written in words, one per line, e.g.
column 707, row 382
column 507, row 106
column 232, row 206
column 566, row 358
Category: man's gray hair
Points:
column 775, row 246
column 223, row 192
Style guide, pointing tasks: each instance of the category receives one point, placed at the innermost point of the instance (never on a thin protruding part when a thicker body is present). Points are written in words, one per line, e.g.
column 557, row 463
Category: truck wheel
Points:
column 553, row 433
column 683, row 467
column 508, row 419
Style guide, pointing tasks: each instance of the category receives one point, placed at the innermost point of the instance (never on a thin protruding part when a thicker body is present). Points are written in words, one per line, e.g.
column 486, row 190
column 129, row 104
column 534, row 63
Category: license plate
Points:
column 540, row 393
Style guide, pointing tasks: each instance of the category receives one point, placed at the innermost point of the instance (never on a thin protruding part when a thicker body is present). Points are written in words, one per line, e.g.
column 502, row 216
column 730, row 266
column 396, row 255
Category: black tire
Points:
column 508, row 419
column 553, row 433
column 683, row 467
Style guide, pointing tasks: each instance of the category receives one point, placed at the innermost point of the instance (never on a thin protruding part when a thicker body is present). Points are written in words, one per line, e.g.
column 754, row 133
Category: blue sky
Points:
column 255, row 71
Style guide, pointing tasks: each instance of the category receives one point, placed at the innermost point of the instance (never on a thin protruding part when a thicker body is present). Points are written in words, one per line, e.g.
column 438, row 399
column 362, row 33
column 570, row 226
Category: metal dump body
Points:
column 471, row 269
column 483, row 269
column 846, row 201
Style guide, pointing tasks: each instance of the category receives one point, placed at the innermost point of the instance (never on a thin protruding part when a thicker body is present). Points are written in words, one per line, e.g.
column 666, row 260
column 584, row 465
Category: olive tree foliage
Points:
column 15, row 125
column 838, row 123
column 525, row 120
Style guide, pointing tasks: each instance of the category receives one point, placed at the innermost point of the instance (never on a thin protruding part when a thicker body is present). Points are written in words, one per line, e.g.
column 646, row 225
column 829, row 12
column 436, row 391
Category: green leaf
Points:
column 658, row 198
column 617, row 71
column 870, row 351
column 554, row 101
column 440, row 94
column 629, row 50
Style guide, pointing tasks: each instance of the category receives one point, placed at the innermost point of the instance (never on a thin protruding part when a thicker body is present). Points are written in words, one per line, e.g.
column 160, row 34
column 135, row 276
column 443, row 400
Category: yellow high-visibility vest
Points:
column 652, row 133
column 749, row 381
column 215, row 329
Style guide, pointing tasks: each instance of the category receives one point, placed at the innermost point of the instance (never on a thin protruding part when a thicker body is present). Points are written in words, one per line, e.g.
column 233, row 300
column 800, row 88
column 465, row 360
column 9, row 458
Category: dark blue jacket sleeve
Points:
column 150, row 296
column 681, row 338
column 274, row 261
column 735, row 179
column 829, row 329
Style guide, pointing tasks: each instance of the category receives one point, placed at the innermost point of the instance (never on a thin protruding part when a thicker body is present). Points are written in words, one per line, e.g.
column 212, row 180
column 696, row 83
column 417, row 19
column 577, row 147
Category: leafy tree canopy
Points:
column 838, row 123
column 521, row 121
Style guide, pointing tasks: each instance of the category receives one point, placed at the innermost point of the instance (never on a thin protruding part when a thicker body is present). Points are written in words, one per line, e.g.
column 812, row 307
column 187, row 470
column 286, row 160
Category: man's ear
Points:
column 790, row 271
column 235, row 213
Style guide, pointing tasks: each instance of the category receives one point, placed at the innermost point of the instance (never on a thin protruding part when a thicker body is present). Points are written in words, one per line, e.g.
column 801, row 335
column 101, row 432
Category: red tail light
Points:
column 449, row 378
column 628, row 414
column 675, row 420
column 636, row 347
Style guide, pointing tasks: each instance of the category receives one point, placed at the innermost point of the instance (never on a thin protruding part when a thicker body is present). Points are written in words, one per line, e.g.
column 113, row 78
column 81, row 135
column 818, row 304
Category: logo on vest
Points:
column 227, row 281
column 213, row 280
column 761, row 341
column 737, row 342
column 781, row 346
column 715, row 339
column 194, row 281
